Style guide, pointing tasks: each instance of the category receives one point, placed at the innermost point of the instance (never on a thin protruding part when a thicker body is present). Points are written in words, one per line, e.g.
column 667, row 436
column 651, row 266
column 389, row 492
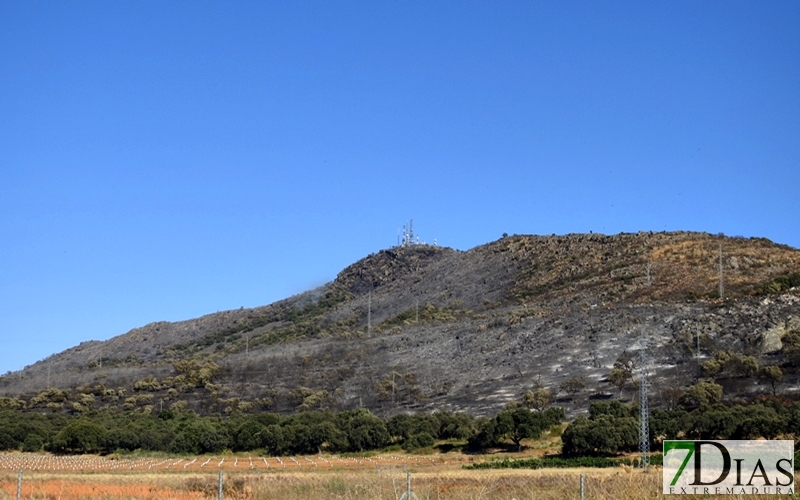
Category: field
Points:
column 368, row 478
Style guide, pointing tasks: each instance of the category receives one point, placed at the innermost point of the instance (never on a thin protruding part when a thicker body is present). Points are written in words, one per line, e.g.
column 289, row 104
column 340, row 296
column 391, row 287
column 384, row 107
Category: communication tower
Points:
column 409, row 238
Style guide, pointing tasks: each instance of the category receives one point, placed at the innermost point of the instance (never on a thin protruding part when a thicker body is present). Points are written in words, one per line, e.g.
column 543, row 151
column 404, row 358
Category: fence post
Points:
column 219, row 492
column 582, row 488
column 19, row 485
column 408, row 486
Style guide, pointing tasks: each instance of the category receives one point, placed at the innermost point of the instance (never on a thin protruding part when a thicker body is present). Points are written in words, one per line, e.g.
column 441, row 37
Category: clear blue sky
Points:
column 163, row 160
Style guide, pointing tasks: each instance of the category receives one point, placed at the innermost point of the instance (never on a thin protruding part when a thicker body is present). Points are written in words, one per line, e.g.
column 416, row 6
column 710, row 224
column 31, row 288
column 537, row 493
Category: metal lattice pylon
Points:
column 644, row 412
column 409, row 495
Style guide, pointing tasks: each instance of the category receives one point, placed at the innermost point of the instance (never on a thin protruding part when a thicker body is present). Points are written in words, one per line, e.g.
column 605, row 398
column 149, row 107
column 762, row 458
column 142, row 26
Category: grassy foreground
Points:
column 448, row 483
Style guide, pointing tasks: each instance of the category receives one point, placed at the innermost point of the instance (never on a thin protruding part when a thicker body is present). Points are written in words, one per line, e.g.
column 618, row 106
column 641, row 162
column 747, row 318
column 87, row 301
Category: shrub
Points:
column 12, row 404
column 781, row 283
column 149, row 384
column 557, row 463
column 417, row 441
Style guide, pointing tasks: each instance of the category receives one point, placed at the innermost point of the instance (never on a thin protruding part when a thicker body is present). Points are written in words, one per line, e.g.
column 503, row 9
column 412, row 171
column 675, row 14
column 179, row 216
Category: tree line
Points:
column 185, row 432
column 610, row 428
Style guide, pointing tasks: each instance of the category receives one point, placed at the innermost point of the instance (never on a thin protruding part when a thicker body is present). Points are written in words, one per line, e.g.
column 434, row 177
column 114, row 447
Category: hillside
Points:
column 423, row 327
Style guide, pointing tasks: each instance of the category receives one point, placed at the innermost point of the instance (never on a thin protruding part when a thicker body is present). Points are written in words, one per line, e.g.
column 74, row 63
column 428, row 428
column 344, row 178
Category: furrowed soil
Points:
column 373, row 479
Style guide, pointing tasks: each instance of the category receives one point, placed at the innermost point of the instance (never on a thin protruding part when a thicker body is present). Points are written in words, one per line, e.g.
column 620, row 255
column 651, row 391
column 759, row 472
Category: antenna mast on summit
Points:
column 408, row 234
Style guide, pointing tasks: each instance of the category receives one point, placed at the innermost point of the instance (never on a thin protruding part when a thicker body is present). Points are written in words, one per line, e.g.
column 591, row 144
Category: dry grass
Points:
column 51, row 486
column 446, row 482
column 619, row 484
column 692, row 264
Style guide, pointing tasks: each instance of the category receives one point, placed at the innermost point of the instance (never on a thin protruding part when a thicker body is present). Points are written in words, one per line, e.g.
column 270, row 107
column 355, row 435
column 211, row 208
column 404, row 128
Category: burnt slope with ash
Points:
column 424, row 327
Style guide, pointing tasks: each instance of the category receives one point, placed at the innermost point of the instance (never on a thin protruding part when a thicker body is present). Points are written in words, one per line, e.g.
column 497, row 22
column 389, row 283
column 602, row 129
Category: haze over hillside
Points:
column 425, row 327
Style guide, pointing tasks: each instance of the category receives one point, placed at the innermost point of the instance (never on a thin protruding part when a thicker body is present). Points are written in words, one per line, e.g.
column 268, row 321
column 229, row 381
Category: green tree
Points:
column 603, row 435
column 248, row 436
column 326, row 435
column 614, row 408
column 455, row 425
column 521, row 424
column 622, row 371
column 537, row 399
column 714, row 422
column 670, row 424
column 735, row 365
column 773, row 375
column 701, row 393
column 488, row 435
column 302, row 442
column 80, row 437
column 553, row 416
column 273, row 439
column 791, row 347
column 759, row 421
column 403, row 426
column 121, row 438
column 7, row 441
column 742, row 366
column 33, row 443
column 366, row 432
column 573, row 386
column 200, row 435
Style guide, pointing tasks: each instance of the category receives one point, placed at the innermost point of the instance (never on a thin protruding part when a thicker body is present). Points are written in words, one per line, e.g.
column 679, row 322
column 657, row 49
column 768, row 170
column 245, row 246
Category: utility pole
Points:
column 721, row 284
column 644, row 413
column 649, row 280
column 697, row 351
column 416, row 318
column 369, row 312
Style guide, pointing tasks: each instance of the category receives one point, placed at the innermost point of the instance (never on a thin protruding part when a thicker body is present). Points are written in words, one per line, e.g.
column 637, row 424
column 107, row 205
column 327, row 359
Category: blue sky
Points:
column 164, row 160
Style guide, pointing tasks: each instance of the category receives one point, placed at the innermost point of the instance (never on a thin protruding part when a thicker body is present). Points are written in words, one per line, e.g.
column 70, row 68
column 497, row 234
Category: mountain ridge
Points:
column 425, row 327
